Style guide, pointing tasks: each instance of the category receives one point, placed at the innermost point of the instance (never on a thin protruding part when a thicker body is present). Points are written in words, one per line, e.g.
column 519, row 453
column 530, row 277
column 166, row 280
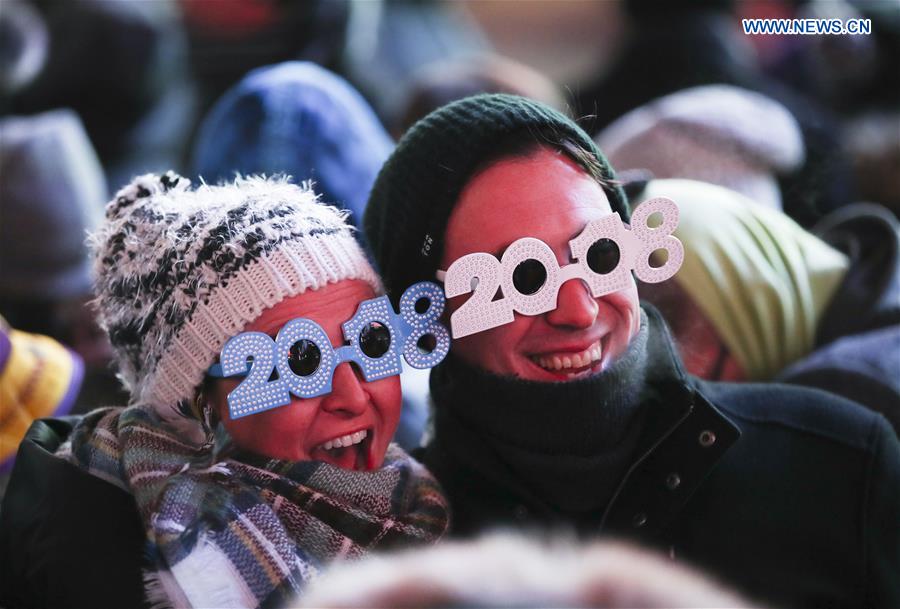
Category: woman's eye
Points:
column 304, row 358
column 603, row 256
column 375, row 339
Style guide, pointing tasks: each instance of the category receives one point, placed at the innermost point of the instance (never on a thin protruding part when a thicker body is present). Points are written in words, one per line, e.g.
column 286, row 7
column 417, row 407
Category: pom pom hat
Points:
column 179, row 271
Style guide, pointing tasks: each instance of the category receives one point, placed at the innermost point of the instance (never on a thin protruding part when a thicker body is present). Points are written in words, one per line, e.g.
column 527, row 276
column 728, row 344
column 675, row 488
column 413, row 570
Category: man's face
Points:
column 547, row 196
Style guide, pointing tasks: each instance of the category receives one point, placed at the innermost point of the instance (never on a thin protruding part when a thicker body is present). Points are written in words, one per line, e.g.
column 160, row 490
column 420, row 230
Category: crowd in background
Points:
column 799, row 134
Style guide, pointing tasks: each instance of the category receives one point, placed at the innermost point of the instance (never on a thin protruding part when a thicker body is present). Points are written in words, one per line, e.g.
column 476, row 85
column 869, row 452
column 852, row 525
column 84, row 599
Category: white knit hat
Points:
column 179, row 271
column 719, row 134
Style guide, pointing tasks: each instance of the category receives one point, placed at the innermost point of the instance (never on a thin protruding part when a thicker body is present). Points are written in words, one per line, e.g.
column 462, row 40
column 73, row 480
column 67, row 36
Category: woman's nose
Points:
column 575, row 307
column 348, row 396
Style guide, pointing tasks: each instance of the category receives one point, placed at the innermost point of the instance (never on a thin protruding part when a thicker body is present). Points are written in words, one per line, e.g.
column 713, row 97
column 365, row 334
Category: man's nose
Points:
column 575, row 307
column 348, row 397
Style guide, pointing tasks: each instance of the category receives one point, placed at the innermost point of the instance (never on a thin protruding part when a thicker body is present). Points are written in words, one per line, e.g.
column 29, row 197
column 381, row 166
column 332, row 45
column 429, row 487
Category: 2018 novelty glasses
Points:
column 304, row 359
column 603, row 254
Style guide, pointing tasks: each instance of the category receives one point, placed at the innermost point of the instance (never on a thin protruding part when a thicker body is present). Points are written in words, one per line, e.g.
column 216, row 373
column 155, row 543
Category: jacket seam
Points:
column 875, row 440
column 860, row 446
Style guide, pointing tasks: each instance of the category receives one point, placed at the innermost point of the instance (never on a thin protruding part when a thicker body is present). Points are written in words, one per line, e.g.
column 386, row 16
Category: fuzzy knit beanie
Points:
column 417, row 188
column 180, row 270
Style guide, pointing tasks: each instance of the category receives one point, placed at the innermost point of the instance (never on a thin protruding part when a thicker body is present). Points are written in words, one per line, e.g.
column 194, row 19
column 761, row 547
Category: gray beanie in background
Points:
column 719, row 134
column 52, row 192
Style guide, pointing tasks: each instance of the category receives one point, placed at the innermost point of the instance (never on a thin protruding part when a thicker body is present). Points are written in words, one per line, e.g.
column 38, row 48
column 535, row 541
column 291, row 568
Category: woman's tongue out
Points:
column 348, row 451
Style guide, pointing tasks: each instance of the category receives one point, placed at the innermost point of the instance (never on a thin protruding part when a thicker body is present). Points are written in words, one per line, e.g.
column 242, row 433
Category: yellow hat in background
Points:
column 39, row 377
column 761, row 279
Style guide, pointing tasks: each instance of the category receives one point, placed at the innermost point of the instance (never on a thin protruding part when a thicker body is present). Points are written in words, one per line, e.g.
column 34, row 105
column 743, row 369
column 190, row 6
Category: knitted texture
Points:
column 39, row 378
column 225, row 531
column 179, row 271
column 417, row 188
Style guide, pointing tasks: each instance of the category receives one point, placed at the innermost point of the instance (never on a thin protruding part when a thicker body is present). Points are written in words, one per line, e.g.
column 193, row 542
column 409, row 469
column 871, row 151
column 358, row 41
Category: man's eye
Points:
column 603, row 256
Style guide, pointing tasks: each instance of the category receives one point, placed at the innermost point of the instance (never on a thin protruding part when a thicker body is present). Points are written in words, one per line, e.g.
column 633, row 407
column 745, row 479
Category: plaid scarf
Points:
column 224, row 532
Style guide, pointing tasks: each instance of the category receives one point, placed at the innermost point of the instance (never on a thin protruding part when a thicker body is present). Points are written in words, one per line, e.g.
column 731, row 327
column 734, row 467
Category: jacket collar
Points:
column 683, row 438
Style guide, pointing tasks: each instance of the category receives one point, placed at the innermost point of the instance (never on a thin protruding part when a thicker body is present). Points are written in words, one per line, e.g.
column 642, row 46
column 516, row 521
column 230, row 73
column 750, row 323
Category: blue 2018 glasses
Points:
column 304, row 359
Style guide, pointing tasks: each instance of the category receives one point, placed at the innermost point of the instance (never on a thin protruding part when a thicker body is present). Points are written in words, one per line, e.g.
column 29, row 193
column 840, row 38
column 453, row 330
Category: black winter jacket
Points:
column 857, row 353
column 52, row 506
column 789, row 494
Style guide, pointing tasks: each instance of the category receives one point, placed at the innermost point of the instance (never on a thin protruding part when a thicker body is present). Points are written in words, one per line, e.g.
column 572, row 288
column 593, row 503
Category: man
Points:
column 582, row 415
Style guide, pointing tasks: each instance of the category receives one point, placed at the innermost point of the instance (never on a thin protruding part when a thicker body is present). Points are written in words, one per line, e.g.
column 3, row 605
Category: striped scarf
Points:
column 224, row 532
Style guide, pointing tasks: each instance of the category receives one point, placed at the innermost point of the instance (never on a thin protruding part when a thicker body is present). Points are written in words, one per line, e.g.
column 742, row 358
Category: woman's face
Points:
column 546, row 196
column 301, row 430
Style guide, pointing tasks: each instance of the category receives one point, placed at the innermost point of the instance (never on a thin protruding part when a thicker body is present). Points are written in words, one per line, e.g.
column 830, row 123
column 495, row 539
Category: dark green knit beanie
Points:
column 417, row 188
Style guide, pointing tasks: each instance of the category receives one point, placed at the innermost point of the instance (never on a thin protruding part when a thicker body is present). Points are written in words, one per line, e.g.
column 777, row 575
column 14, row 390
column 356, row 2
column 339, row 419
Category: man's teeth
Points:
column 348, row 440
column 570, row 360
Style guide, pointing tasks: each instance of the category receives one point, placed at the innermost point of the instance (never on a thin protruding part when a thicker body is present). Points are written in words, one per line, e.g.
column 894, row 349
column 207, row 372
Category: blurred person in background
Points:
column 758, row 298
column 389, row 42
column 229, row 38
column 52, row 191
column 511, row 570
column 118, row 65
column 441, row 82
column 856, row 77
column 24, row 44
column 671, row 46
column 849, row 74
column 874, row 147
column 158, row 502
column 39, row 378
column 717, row 133
column 581, row 415
column 298, row 119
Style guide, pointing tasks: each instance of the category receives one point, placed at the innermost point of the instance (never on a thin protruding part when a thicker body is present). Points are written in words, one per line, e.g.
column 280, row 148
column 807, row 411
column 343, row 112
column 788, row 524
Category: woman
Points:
column 758, row 298
column 238, row 515
column 301, row 119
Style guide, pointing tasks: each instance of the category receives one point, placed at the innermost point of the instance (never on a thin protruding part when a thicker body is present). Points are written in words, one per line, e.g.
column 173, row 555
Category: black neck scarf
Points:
column 560, row 448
